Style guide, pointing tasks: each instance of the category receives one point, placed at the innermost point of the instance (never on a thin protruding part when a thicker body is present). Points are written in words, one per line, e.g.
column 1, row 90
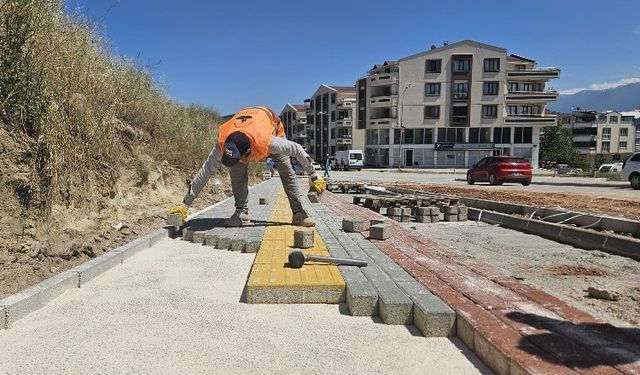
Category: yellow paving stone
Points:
column 271, row 282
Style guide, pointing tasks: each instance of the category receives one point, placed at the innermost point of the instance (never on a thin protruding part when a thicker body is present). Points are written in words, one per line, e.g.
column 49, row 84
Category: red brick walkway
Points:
column 514, row 328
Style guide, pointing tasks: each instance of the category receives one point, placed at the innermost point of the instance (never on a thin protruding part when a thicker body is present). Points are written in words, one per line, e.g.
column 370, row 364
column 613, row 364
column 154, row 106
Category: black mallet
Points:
column 297, row 259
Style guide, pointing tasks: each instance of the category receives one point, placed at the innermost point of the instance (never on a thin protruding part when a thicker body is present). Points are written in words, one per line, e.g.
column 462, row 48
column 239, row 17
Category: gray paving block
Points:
column 450, row 210
column 394, row 211
column 380, row 231
column 303, row 238
column 463, row 210
column 3, row 318
column 463, row 217
column 351, row 226
column 174, row 220
column 377, row 221
column 18, row 305
column 361, row 296
column 211, row 239
column 313, row 197
column 198, row 237
column 450, row 217
column 96, row 266
column 432, row 316
column 252, row 246
column 423, row 219
column 224, row 242
column 394, row 307
column 187, row 234
column 264, row 201
column 237, row 244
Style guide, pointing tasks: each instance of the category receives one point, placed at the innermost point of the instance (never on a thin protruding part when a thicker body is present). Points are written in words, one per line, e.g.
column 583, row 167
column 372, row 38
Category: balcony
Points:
column 523, row 119
column 534, row 74
column 344, row 122
column 346, row 104
column 383, row 121
column 532, row 96
column 300, row 135
column 343, row 140
column 584, row 138
column 383, row 79
column 384, row 101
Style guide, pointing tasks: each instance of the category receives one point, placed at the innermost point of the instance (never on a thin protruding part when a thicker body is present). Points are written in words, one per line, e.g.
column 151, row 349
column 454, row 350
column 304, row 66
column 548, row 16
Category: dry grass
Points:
column 88, row 111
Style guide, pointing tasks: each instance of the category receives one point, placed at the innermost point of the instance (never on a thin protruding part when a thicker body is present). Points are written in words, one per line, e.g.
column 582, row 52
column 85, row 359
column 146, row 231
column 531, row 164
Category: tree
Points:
column 556, row 148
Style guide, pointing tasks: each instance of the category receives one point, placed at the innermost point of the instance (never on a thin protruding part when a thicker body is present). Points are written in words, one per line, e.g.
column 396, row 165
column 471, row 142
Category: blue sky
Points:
column 231, row 54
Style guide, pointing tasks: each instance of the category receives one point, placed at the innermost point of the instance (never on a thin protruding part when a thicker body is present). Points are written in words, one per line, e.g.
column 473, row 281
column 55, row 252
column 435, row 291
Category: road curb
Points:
column 582, row 238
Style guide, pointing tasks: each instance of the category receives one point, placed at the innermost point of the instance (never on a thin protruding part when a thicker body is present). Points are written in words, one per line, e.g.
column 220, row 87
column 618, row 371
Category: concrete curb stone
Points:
column 96, row 266
column 18, row 305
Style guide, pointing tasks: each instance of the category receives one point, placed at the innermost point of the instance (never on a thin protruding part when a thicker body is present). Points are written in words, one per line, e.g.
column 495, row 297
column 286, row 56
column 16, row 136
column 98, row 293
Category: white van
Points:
column 348, row 159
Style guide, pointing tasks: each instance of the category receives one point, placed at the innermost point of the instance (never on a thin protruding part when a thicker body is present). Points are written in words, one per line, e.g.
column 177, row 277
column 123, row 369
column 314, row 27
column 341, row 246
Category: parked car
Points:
column 631, row 170
column 316, row 166
column 499, row 169
column 610, row 167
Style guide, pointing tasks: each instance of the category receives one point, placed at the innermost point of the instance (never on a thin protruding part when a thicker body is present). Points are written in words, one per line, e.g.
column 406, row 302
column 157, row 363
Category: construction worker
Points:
column 327, row 166
column 254, row 133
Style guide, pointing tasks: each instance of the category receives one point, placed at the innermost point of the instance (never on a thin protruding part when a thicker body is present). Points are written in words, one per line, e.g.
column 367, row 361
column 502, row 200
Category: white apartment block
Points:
column 332, row 116
column 603, row 137
column 294, row 119
column 453, row 106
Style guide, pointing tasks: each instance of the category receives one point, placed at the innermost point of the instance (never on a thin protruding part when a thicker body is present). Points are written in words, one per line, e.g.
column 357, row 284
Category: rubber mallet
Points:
column 297, row 259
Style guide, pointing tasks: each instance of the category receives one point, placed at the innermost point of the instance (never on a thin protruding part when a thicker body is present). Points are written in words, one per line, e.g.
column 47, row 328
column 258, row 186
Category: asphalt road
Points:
column 597, row 187
column 176, row 308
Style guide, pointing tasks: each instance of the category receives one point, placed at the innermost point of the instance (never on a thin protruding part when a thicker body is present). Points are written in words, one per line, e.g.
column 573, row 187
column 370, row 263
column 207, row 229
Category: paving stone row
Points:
column 209, row 228
column 514, row 328
column 382, row 287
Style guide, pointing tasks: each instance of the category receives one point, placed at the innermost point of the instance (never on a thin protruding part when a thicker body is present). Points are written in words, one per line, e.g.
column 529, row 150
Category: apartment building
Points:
column 603, row 137
column 452, row 105
column 294, row 119
column 332, row 117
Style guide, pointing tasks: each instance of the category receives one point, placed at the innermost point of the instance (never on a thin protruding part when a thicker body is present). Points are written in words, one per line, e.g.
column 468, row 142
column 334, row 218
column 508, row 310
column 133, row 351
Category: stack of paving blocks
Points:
column 402, row 214
column 427, row 214
column 455, row 213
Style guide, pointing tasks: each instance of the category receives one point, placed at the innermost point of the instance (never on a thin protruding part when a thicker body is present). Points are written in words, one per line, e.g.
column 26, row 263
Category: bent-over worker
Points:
column 254, row 133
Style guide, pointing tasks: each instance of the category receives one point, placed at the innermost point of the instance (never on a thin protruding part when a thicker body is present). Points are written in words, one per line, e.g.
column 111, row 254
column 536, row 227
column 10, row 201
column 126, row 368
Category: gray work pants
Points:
column 240, row 184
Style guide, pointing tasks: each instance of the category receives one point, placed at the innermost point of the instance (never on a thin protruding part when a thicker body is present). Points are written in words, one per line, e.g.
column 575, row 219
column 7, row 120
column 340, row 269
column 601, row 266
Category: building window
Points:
column 489, row 111
column 606, row 133
column 512, row 110
column 333, row 98
column 333, row 115
column 461, row 89
column 513, row 86
column 624, row 132
column 521, row 67
column 384, row 136
column 451, row 135
column 491, row 65
column 333, row 133
column 613, row 119
column 479, row 135
column 606, row 146
column 490, row 88
column 502, row 135
column 623, row 145
column 460, row 65
column 432, row 89
column 627, row 119
column 432, row 111
column 433, row 66
column 522, row 135
column 460, row 114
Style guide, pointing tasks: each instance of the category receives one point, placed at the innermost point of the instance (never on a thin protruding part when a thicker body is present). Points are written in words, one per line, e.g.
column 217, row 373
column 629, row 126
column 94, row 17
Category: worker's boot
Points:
column 303, row 220
column 238, row 219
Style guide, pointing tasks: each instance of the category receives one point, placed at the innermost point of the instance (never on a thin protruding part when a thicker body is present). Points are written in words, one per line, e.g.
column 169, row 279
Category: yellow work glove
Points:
column 317, row 183
column 182, row 210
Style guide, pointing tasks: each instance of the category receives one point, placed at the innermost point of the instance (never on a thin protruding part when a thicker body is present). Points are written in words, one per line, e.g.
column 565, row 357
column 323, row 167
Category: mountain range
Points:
column 621, row 98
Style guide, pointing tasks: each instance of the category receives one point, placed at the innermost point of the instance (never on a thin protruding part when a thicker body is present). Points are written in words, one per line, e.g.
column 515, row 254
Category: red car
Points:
column 499, row 169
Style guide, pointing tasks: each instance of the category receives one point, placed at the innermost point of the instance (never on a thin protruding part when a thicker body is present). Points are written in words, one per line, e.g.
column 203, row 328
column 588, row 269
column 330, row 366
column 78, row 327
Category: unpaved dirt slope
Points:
column 33, row 247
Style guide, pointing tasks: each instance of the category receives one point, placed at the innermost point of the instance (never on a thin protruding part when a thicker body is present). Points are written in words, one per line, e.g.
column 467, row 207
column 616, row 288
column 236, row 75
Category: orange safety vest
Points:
column 259, row 124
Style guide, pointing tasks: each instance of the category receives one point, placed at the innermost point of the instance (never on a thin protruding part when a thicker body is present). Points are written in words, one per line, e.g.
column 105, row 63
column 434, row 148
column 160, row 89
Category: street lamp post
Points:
column 322, row 129
column 401, row 126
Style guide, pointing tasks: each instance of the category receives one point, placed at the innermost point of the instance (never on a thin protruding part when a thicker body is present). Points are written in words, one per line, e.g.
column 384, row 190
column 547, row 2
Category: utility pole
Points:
column 401, row 126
